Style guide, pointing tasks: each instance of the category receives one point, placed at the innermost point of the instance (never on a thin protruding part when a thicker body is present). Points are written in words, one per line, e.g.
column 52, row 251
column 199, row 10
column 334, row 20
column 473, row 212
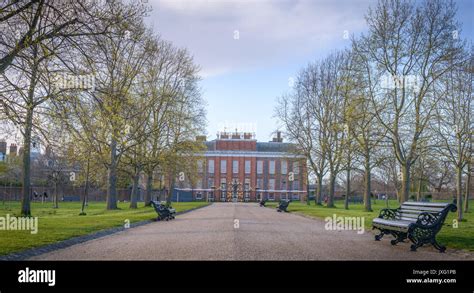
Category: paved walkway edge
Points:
column 25, row 254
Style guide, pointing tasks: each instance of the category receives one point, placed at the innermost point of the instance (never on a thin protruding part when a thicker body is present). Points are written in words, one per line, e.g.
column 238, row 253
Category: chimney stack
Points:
column 278, row 137
column 13, row 149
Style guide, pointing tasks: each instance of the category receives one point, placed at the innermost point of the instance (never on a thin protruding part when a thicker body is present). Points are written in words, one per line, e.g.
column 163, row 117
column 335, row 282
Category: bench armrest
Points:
column 388, row 214
column 428, row 220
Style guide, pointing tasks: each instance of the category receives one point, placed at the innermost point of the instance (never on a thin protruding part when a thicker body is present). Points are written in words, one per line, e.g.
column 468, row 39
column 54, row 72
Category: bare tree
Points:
column 453, row 127
column 409, row 47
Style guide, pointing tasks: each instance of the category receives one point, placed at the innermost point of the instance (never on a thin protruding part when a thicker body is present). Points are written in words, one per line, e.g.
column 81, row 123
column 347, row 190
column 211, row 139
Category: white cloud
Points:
column 270, row 32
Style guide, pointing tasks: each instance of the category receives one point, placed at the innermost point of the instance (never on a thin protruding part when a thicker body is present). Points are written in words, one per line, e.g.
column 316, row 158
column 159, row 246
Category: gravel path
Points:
column 263, row 234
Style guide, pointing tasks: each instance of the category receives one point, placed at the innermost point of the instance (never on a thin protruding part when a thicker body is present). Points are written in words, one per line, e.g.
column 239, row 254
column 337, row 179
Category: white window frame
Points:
column 235, row 166
column 223, row 166
column 248, row 167
column 271, row 167
column 284, row 167
column 210, row 168
column 259, row 167
column 296, row 167
column 271, row 184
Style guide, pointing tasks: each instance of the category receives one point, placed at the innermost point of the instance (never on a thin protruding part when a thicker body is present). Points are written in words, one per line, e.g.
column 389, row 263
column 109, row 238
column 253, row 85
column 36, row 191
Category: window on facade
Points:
column 283, row 185
column 211, row 166
column 247, row 167
column 247, row 184
column 296, row 185
column 199, row 184
column 271, row 167
column 271, row 184
column 198, row 195
column 223, row 188
column 200, row 165
column 260, row 183
column 223, row 166
column 210, row 182
column 296, row 167
column 259, row 167
column 271, row 196
column 284, row 167
column 235, row 166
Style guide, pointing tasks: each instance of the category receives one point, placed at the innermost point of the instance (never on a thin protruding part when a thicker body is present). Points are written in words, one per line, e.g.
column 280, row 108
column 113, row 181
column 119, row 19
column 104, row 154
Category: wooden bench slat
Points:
column 426, row 204
column 409, row 219
column 412, row 216
column 427, row 209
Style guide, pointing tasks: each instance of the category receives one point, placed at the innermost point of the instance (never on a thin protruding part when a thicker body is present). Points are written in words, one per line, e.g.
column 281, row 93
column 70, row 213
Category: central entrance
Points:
column 235, row 190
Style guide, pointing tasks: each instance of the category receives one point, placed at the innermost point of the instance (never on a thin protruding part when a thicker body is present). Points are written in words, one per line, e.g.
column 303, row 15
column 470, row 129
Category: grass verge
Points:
column 64, row 223
column 459, row 238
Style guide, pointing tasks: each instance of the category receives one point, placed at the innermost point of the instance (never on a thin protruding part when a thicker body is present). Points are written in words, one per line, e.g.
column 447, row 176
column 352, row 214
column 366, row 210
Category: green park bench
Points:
column 283, row 205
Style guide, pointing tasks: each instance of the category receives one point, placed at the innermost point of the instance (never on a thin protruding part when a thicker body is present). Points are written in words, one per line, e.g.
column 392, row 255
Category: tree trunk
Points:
column 468, row 188
column 56, row 201
column 86, row 189
column 25, row 201
column 171, row 189
column 367, row 182
column 404, row 193
column 332, row 185
column 420, row 181
column 348, row 188
column 319, row 190
column 459, row 191
column 112, row 177
column 149, row 188
column 134, row 195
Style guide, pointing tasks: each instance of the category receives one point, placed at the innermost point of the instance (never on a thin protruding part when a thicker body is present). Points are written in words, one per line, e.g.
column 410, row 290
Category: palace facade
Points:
column 236, row 167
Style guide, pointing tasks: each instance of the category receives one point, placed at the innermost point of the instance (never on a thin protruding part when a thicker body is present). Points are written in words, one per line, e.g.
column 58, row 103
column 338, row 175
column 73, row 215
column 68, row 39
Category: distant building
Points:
column 238, row 168
column 13, row 150
column 3, row 150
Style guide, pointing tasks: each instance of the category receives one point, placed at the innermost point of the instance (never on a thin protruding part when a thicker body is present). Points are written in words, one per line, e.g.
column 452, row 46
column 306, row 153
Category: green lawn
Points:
column 63, row 223
column 461, row 237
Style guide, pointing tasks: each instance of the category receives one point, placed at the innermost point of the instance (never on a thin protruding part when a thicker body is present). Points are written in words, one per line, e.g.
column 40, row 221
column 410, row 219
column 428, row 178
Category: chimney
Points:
column 224, row 135
column 278, row 137
column 236, row 135
column 13, row 149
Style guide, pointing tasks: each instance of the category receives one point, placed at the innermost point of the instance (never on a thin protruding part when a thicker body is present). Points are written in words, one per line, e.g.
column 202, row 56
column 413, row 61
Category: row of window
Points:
column 271, row 196
column 284, row 184
column 235, row 167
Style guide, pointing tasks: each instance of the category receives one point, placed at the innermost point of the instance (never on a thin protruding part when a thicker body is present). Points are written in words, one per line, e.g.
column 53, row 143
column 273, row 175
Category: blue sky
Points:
column 249, row 50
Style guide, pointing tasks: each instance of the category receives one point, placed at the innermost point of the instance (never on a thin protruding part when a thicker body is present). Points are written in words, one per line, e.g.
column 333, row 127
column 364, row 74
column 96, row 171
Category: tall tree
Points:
column 410, row 46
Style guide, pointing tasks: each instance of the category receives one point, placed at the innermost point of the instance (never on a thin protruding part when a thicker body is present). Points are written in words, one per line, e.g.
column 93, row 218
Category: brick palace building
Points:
column 236, row 167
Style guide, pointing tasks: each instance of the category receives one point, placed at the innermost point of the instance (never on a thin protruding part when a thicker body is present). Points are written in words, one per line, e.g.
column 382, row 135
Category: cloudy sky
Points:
column 249, row 50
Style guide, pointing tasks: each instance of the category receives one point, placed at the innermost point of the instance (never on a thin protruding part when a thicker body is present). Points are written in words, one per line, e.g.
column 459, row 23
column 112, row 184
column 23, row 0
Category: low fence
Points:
column 8, row 193
column 11, row 193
